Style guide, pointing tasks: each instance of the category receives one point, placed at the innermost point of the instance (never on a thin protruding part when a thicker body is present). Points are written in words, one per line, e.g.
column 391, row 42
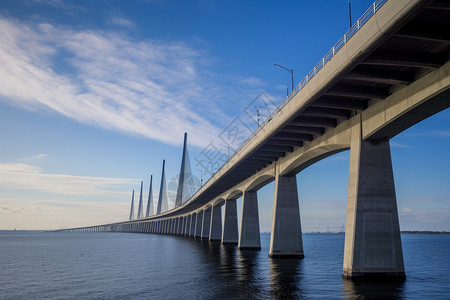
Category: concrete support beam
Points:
column 249, row 237
column 198, row 224
column 179, row 225
column 187, row 228
column 215, row 233
column 183, row 225
column 192, row 227
column 230, row 226
column 206, row 224
column 286, row 235
column 372, row 238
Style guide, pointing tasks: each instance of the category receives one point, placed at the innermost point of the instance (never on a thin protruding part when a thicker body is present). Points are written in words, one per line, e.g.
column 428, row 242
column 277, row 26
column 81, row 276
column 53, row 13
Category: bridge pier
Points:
column 187, row 228
column 206, row 224
column 182, row 226
column 216, row 224
column 372, row 237
column 179, row 224
column 198, row 225
column 286, row 235
column 192, row 227
column 249, row 237
column 230, row 226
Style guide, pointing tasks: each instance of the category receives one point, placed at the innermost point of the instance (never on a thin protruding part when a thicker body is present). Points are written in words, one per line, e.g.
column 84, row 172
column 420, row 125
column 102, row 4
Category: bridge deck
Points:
column 390, row 52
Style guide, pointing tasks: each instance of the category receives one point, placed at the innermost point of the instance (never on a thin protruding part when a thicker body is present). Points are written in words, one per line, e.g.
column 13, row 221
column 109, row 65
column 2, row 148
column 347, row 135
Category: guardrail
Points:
column 347, row 36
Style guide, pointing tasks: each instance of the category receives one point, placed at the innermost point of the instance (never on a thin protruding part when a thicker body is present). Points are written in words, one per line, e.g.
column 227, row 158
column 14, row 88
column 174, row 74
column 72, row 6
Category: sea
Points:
column 110, row 265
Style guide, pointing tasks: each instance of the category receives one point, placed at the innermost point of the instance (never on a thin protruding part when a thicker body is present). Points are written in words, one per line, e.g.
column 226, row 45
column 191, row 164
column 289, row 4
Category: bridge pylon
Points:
column 140, row 209
column 373, row 245
column 162, row 200
column 132, row 207
column 150, row 209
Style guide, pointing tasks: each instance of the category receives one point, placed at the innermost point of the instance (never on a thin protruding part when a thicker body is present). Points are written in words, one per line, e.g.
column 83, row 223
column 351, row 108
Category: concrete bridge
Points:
column 390, row 71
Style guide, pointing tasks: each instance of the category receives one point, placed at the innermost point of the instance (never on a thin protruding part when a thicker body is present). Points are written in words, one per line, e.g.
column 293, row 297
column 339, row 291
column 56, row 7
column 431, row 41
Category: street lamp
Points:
column 201, row 177
column 290, row 71
column 350, row 13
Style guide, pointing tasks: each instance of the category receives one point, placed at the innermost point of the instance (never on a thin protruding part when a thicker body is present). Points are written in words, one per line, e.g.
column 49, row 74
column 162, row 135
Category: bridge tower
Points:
column 132, row 207
column 162, row 200
column 140, row 209
column 186, row 184
column 150, row 209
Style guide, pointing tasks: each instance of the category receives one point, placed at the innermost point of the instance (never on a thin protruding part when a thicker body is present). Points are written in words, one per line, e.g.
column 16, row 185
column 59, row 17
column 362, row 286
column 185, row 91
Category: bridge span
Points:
column 390, row 71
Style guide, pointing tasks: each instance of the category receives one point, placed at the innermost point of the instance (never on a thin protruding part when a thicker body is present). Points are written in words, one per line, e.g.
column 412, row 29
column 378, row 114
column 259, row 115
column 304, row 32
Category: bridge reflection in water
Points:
column 390, row 71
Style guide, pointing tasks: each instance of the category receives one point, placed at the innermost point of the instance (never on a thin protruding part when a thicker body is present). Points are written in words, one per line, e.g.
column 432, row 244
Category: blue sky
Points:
column 95, row 94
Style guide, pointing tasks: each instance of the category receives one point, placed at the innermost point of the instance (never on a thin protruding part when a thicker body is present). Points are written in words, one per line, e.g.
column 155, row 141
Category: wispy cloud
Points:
column 428, row 133
column 116, row 20
column 25, row 176
column 58, row 213
column 56, row 3
column 36, row 157
column 109, row 80
column 399, row 145
column 253, row 81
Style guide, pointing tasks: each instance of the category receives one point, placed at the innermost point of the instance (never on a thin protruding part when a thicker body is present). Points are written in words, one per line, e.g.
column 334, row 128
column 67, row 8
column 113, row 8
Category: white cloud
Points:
column 58, row 213
column 36, row 157
column 108, row 80
column 25, row 176
column 116, row 20
column 253, row 81
column 428, row 133
column 399, row 145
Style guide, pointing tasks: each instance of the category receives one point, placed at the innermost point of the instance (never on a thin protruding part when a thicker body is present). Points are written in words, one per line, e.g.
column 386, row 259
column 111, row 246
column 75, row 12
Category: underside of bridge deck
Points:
column 418, row 45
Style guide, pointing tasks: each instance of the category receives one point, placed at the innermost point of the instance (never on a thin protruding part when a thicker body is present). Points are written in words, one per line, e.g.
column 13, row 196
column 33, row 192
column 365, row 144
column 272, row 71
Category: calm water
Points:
column 145, row 266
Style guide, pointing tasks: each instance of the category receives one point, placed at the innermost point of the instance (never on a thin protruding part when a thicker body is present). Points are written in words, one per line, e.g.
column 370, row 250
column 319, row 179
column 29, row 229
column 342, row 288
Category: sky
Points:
column 95, row 94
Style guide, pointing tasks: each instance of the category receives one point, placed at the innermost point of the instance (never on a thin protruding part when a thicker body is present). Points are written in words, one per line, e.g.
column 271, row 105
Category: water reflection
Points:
column 248, row 272
column 285, row 277
column 373, row 290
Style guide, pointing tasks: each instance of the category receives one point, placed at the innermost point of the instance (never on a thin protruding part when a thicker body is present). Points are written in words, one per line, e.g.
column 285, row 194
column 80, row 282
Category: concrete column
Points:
column 286, row 235
column 181, row 226
column 166, row 226
column 192, row 227
column 230, row 226
column 185, row 225
column 372, row 237
column 206, row 224
column 249, row 237
column 198, row 224
column 174, row 226
column 215, row 233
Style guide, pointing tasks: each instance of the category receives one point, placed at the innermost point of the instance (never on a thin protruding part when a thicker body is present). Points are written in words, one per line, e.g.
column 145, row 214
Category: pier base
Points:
column 206, row 223
column 230, row 227
column 286, row 235
column 373, row 246
column 198, row 224
column 249, row 238
column 216, row 224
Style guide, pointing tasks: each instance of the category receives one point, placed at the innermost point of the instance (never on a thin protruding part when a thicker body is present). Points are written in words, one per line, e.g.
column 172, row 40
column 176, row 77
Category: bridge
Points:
column 390, row 71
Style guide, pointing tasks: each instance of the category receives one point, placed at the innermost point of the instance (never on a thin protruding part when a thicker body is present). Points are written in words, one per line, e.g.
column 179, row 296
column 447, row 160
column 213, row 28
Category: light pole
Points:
column 201, row 177
column 290, row 71
column 350, row 13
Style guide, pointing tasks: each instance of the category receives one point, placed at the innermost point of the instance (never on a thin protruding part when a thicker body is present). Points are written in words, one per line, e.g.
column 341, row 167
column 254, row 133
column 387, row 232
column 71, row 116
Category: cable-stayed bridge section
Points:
column 390, row 71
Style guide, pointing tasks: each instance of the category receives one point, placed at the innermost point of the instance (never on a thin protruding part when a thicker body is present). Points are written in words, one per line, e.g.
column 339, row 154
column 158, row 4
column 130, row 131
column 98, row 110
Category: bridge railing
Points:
column 330, row 54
